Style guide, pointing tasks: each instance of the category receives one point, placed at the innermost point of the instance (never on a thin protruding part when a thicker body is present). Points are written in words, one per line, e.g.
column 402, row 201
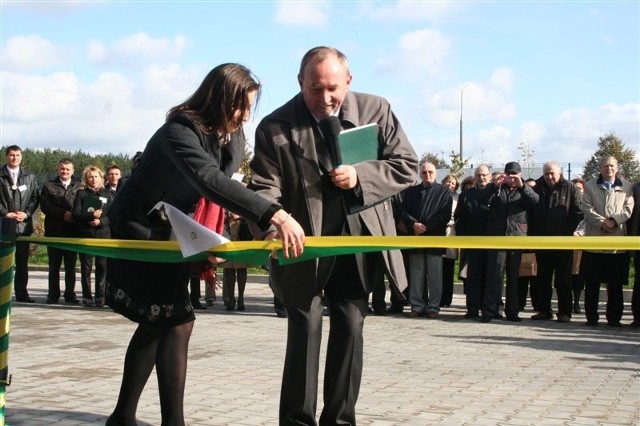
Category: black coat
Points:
column 471, row 215
column 507, row 208
column 558, row 211
column 179, row 164
column 55, row 200
column 25, row 198
column 85, row 203
column 430, row 205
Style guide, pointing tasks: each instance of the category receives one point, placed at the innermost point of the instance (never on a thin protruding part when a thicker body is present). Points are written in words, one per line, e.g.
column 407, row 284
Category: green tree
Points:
column 458, row 164
column 438, row 161
column 610, row 145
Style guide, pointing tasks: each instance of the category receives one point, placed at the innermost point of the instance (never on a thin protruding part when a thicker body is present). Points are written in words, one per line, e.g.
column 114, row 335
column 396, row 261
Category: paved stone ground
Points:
column 66, row 363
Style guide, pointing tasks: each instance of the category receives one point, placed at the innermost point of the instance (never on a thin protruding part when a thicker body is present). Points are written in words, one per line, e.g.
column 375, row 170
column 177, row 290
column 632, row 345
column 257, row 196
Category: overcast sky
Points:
column 99, row 76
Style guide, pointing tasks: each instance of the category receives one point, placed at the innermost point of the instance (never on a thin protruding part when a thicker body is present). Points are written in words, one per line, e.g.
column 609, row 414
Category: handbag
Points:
column 211, row 216
column 528, row 265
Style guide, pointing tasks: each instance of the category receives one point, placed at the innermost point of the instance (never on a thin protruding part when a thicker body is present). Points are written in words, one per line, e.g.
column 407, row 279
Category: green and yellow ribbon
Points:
column 258, row 252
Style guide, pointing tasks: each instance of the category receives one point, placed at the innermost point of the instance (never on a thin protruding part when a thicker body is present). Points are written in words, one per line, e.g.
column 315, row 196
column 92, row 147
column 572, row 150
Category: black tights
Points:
column 166, row 349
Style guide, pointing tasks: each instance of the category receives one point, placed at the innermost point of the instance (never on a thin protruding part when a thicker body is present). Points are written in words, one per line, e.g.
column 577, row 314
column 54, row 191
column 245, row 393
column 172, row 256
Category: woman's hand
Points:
column 291, row 233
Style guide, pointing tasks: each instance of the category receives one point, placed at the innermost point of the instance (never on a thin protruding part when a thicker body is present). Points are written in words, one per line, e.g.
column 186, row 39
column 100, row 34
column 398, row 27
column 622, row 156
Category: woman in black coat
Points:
column 90, row 208
column 193, row 154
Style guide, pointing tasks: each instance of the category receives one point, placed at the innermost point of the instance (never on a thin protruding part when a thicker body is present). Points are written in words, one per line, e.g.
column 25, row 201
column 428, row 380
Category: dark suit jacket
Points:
column 23, row 199
column 286, row 171
column 55, row 200
column 181, row 163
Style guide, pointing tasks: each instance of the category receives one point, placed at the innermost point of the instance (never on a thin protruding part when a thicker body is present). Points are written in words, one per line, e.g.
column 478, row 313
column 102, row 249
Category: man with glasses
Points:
column 471, row 219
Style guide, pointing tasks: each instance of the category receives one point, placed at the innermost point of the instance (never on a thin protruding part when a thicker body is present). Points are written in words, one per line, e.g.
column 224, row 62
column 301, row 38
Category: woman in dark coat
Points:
column 192, row 155
column 90, row 212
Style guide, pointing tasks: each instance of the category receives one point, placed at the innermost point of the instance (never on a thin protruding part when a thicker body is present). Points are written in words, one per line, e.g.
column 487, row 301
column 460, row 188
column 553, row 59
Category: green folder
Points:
column 92, row 203
column 359, row 144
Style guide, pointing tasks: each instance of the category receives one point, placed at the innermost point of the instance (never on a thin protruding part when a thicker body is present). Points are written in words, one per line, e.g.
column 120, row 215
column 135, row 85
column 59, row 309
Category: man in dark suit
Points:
column 292, row 166
column 56, row 202
column 19, row 198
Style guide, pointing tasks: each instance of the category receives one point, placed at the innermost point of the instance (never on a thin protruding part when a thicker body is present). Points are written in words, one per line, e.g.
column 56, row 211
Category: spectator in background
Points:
column 114, row 173
column 426, row 210
column 607, row 205
column 90, row 209
column 508, row 199
column 451, row 254
column 577, row 279
column 471, row 220
column 56, row 202
column 19, row 199
column 557, row 213
column 233, row 271
column 528, row 270
column 467, row 183
column 634, row 230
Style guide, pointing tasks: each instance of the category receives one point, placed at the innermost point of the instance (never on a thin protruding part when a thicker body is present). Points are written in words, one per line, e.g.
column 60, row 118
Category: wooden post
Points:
column 7, row 262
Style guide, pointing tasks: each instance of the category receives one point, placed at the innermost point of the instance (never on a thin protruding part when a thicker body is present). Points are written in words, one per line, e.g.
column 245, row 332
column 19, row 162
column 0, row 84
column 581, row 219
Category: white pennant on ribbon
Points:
column 192, row 237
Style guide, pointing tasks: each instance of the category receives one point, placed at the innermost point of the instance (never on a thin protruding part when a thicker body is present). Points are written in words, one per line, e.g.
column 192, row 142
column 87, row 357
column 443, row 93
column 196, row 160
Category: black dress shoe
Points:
column 241, row 306
column 635, row 324
column 591, row 323
column 514, row 318
column 576, row 307
column 51, row 301
column 471, row 315
column 485, row 318
column 281, row 313
column 72, row 301
column 380, row 310
column 198, row 305
column 25, row 300
column 614, row 324
column 542, row 316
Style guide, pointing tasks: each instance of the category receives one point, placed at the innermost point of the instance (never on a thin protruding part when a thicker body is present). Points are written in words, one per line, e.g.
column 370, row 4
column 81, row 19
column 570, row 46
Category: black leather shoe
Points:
column 198, row 305
column 241, row 306
column 51, row 301
column 542, row 316
column 485, row 318
column 514, row 318
column 25, row 300
column 471, row 315
column 592, row 323
column 635, row 324
column 614, row 324
column 72, row 301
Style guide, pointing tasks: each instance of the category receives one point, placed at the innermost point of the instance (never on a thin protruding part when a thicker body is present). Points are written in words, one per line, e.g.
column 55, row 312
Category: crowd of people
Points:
column 496, row 281
column 299, row 187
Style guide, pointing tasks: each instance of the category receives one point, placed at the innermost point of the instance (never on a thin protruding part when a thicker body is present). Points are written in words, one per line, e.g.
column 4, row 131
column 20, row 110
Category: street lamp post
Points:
column 461, row 98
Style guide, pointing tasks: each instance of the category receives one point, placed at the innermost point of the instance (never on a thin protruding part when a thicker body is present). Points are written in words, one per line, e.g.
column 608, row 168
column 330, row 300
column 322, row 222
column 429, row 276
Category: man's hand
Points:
column 344, row 177
column 419, row 228
column 608, row 225
column 68, row 216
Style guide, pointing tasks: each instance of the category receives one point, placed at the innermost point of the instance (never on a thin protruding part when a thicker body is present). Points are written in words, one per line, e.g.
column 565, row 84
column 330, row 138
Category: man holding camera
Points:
column 508, row 199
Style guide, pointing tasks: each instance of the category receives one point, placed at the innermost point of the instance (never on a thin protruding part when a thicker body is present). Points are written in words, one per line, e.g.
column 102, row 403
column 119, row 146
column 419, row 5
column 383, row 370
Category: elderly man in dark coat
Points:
column 426, row 210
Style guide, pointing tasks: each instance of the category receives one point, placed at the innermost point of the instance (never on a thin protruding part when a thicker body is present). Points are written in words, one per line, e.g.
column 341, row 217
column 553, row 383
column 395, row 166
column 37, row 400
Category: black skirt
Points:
column 153, row 294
